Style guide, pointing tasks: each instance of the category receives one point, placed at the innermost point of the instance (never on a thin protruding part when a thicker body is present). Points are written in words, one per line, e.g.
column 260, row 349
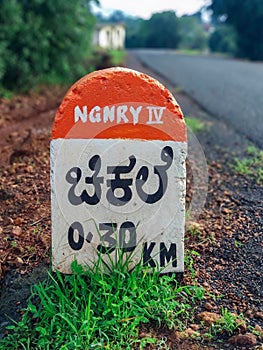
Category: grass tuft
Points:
column 117, row 57
column 228, row 323
column 91, row 309
column 251, row 165
column 195, row 124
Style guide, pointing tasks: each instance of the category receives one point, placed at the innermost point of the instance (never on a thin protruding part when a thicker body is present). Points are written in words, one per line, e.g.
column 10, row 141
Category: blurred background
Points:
column 56, row 41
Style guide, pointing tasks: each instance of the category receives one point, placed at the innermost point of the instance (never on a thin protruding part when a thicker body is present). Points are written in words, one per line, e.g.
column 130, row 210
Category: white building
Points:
column 109, row 35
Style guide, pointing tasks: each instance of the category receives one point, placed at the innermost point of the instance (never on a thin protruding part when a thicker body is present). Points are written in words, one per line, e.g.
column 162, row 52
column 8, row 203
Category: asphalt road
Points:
column 229, row 89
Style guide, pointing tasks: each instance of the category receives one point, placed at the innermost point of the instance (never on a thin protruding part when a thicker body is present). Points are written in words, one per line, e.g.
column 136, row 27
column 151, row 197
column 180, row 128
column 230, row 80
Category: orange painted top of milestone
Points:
column 119, row 103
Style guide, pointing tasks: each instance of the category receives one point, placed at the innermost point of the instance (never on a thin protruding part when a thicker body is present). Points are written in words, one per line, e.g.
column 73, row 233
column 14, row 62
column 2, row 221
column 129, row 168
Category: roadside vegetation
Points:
column 117, row 57
column 251, row 165
column 234, row 33
column 112, row 306
column 43, row 41
column 35, row 50
column 102, row 309
column 228, row 32
column 162, row 30
column 109, row 305
column 101, row 58
column 196, row 125
column 223, row 40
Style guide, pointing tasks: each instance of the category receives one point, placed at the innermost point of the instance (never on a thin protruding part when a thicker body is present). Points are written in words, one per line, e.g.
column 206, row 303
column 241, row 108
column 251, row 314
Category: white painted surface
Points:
column 161, row 223
column 110, row 36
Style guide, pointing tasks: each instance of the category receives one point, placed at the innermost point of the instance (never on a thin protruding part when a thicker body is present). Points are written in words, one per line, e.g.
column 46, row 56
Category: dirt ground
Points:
column 228, row 238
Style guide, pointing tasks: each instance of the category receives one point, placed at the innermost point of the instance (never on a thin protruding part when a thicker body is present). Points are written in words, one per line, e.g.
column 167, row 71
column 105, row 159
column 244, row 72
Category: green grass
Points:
column 251, row 165
column 228, row 323
column 91, row 309
column 190, row 52
column 189, row 261
column 117, row 57
column 6, row 93
column 195, row 124
column 178, row 89
column 109, row 306
column 195, row 230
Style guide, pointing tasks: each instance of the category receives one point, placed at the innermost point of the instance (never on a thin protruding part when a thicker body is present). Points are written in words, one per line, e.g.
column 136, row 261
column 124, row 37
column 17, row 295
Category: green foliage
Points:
column 91, row 309
column 117, row 57
column 246, row 17
column 189, row 261
column 101, row 58
column 228, row 323
column 133, row 37
column 43, row 40
column 195, row 230
column 224, row 39
column 116, row 16
column 7, row 94
column 160, row 31
column 251, row 165
column 192, row 34
column 195, row 124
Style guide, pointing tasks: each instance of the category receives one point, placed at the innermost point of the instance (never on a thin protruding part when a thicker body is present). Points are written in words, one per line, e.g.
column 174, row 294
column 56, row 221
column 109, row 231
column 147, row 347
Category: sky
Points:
column 145, row 8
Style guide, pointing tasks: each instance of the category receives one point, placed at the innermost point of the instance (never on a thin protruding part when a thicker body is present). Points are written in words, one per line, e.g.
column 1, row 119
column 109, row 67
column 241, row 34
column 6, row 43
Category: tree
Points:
column 192, row 33
column 223, row 39
column 246, row 16
column 133, row 32
column 161, row 30
column 43, row 39
column 116, row 16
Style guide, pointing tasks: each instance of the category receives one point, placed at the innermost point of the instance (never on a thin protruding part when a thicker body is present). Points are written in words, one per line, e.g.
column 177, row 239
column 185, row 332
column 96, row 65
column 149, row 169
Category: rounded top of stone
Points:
column 119, row 103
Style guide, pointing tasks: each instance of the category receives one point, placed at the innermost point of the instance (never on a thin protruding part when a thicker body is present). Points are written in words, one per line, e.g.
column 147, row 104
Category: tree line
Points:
column 162, row 30
column 50, row 40
column 236, row 28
